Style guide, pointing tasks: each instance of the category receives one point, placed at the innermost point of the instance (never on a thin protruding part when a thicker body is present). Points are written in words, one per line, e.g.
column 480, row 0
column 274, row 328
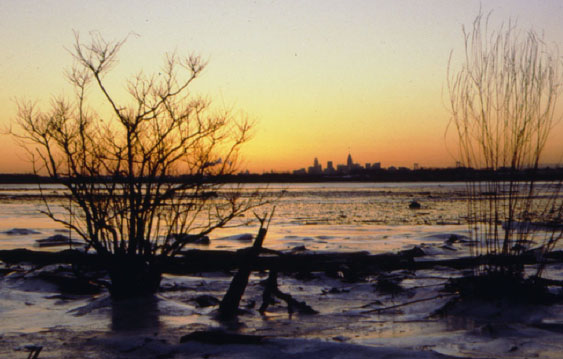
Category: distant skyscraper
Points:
column 349, row 162
column 316, row 168
column 329, row 168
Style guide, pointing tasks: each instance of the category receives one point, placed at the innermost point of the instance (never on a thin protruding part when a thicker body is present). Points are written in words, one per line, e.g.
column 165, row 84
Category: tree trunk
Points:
column 133, row 276
column 229, row 305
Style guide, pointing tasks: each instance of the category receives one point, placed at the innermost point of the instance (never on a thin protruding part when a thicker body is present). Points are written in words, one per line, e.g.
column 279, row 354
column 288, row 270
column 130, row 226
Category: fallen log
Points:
column 200, row 261
column 43, row 258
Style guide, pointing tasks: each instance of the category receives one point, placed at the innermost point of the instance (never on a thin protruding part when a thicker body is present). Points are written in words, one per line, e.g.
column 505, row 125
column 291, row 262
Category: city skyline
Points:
column 317, row 78
column 331, row 169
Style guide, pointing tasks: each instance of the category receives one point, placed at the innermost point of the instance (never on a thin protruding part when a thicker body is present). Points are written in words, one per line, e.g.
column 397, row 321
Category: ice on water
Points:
column 342, row 217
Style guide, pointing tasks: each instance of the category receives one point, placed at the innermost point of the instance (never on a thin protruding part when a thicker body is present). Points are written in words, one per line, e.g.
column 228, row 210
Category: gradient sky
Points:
column 319, row 77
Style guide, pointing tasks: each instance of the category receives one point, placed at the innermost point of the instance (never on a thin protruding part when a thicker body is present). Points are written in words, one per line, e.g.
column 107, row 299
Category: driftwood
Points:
column 379, row 310
column 42, row 258
column 199, row 261
column 271, row 290
column 221, row 337
column 33, row 350
column 228, row 308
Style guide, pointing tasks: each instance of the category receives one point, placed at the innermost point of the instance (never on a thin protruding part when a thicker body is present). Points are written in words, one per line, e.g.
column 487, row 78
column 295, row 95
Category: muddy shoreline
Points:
column 395, row 311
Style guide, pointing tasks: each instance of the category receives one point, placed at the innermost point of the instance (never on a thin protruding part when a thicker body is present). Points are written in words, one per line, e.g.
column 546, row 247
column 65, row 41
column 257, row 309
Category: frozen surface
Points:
column 356, row 320
column 364, row 319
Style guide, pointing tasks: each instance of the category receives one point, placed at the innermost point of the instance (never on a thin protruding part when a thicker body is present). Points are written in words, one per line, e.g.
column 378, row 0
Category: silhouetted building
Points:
column 349, row 161
column 329, row 168
column 342, row 169
column 316, row 168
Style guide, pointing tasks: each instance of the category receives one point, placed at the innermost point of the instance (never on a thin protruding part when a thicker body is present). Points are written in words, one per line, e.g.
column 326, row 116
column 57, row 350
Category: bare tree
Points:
column 503, row 101
column 118, row 167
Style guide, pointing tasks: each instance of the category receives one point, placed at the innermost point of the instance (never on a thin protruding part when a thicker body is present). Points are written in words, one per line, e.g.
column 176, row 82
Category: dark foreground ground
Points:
column 402, row 313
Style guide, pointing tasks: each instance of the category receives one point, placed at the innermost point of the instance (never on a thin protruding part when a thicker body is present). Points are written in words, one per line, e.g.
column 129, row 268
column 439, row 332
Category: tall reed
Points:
column 503, row 102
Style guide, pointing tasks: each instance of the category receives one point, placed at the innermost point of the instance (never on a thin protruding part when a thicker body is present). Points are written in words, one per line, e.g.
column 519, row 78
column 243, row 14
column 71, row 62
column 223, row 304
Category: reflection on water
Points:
column 135, row 314
column 307, row 204
column 319, row 215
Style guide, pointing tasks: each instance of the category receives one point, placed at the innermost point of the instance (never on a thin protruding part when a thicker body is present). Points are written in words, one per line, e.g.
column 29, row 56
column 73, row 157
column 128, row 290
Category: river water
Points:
column 345, row 216
column 356, row 319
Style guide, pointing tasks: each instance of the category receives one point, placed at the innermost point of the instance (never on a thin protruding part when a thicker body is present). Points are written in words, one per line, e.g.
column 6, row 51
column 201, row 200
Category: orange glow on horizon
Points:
column 320, row 78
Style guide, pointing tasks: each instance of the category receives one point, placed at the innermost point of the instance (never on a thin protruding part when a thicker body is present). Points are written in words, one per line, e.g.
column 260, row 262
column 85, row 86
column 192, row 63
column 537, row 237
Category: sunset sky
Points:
column 319, row 77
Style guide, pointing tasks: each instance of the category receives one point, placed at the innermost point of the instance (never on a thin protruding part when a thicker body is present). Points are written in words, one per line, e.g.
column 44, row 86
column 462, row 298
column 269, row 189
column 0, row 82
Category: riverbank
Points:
column 403, row 313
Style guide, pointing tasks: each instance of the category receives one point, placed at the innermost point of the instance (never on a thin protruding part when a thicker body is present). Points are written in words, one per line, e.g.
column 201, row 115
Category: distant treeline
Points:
column 460, row 174
column 373, row 175
column 13, row 178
